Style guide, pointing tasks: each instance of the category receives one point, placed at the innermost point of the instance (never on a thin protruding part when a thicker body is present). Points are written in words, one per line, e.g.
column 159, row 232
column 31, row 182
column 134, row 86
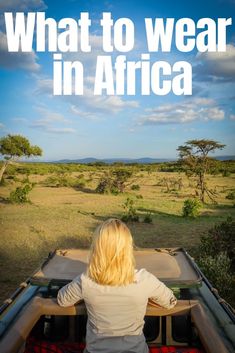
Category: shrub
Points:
column 120, row 177
column 148, row 218
column 220, row 238
column 135, row 187
column 114, row 182
column 226, row 173
column 217, row 269
column 20, row 194
column 51, row 181
column 231, row 195
column 79, row 182
column 60, row 180
column 216, row 257
column 26, row 180
column 16, row 179
column 105, row 185
column 130, row 215
column 191, row 208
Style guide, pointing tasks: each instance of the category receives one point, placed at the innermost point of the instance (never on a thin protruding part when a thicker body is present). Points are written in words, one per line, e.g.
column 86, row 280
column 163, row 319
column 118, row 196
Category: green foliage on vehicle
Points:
column 216, row 256
column 218, row 270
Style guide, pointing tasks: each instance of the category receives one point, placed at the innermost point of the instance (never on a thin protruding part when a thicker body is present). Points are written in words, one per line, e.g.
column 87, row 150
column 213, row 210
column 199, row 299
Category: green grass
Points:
column 66, row 217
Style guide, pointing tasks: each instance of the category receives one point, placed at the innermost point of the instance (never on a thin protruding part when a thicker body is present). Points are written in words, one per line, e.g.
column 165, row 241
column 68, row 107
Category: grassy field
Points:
column 66, row 217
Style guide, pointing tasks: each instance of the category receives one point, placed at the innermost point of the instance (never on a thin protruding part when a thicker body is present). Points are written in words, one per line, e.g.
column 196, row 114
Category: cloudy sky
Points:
column 117, row 126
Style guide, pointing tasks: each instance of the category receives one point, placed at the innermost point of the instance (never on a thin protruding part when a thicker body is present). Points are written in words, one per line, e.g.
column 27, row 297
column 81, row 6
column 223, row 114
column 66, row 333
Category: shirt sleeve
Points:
column 161, row 294
column 71, row 293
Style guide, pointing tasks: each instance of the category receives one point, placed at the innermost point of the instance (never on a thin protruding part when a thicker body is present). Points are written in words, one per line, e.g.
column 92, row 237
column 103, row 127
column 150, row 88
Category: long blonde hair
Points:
column 111, row 259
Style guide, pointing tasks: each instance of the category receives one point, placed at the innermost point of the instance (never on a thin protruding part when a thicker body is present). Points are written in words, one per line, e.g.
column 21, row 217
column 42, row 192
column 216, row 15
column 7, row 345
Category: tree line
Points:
column 194, row 160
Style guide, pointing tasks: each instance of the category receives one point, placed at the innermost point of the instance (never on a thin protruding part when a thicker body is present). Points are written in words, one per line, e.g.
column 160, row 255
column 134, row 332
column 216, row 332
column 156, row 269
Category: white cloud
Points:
column 87, row 104
column 43, row 85
column 49, row 116
column 45, row 127
column 19, row 60
column 83, row 114
column 213, row 114
column 232, row 117
column 98, row 105
column 218, row 66
column 47, row 120
column 88, row 59
column 19, row 120
column 107, row 104
column 65, row 130
column 113, row 103
column 203, row 109
column 2, row 126
column 22, row 5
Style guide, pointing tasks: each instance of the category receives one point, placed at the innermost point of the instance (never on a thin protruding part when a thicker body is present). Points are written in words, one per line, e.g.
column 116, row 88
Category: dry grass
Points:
column 66, row 217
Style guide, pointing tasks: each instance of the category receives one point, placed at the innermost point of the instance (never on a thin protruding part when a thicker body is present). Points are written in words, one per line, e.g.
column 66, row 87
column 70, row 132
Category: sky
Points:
column 118, row 126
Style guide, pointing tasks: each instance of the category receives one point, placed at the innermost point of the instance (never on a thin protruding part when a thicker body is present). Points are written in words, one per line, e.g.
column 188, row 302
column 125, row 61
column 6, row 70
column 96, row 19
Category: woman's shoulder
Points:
column 144, row 275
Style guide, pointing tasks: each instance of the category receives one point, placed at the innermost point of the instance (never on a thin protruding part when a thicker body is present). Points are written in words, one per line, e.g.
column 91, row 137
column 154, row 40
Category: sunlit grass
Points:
column 66, row 217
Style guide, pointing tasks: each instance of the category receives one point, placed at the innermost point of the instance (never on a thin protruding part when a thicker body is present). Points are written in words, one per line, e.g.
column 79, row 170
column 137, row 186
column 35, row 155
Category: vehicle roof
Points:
column 172, row 266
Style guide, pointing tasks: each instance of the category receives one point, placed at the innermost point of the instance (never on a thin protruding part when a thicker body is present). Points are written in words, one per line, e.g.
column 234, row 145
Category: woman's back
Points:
column 115, row 294
column 119, row 310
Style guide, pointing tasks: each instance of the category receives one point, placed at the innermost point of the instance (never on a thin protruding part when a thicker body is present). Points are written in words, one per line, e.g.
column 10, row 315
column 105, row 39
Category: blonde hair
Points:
column 111, row 259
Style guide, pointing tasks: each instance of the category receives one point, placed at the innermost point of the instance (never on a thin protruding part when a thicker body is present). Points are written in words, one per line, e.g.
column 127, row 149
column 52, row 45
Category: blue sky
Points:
column 118, row 126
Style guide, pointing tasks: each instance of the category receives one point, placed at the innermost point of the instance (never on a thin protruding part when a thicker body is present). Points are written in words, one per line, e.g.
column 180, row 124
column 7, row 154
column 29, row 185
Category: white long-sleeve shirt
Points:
column 116, row 310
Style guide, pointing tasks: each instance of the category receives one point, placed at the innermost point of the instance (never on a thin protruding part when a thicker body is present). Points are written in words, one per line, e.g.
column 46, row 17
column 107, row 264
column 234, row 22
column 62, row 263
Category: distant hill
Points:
column 144, row 160
column 225, row 158
column 115, row 160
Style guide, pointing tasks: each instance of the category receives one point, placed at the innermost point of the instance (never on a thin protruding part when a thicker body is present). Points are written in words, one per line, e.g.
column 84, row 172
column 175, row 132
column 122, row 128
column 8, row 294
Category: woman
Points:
column 115, row 294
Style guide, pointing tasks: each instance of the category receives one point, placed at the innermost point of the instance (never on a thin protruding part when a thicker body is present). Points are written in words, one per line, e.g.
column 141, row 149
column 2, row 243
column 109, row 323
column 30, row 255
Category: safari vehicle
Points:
column 31, row 321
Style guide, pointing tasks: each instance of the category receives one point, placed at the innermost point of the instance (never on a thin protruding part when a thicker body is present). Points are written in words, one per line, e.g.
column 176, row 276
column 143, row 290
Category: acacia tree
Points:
column 114, row 181
column 194, row 155
column 13, row 147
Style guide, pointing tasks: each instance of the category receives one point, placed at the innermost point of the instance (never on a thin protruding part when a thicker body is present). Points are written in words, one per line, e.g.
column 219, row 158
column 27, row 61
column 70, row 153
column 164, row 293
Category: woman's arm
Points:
column 162, row 295
column 71, row 293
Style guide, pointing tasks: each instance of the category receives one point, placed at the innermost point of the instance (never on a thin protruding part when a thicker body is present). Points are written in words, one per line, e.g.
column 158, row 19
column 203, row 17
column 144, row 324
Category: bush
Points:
column 139, row 196
column 220, row 238
column 231, row 195
column 51, row 181
column 135, row 187
column 130, row 215
column 216, row 257
column 62, row 180
column 25, row 180
column 226, row 173
column 148, row 218
column 114, row 182
column 79, row 182
column 20, row 194
column 106, row 186
column 191, row 208
column 217, row 269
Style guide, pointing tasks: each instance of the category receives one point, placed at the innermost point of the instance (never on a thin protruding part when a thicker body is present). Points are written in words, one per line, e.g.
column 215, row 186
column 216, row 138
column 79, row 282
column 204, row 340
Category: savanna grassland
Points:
column 65, row 214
